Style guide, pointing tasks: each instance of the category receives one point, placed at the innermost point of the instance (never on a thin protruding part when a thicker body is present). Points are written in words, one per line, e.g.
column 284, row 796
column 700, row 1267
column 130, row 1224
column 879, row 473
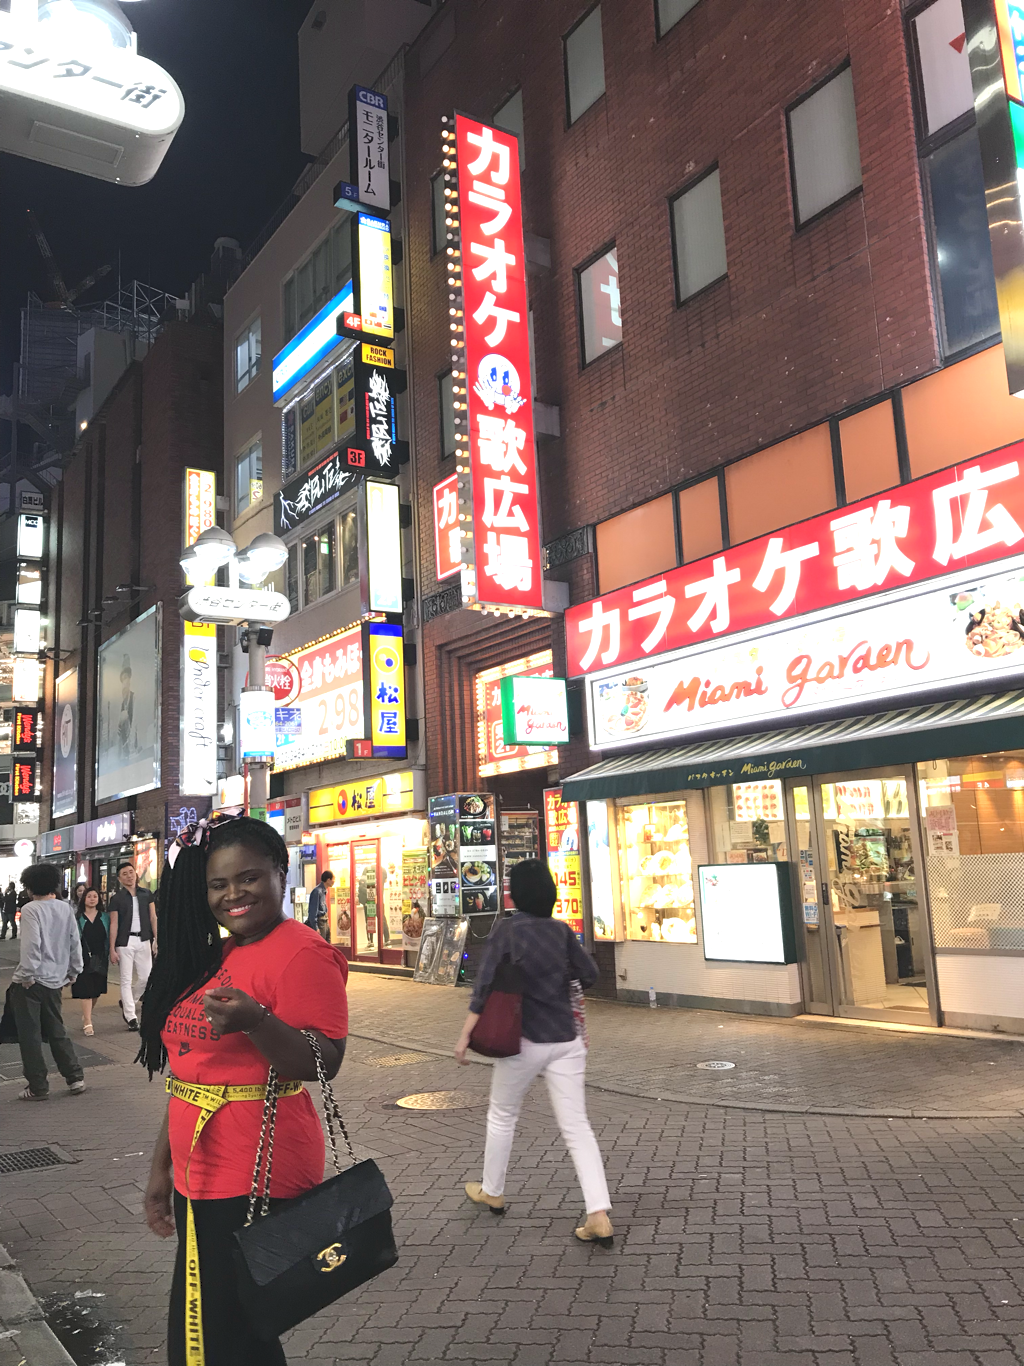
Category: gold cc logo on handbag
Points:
column 331, row 1257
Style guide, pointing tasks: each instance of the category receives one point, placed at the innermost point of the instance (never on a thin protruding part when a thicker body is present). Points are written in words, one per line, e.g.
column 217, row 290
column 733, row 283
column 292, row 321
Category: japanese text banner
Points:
column 970, row 514
column 503, row 552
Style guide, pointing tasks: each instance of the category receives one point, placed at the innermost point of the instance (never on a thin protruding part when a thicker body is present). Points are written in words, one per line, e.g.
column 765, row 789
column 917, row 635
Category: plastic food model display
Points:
column 657, row 873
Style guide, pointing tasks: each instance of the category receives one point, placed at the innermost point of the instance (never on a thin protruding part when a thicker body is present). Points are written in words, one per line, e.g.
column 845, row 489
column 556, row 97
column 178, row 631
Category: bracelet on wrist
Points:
column 261, row 1021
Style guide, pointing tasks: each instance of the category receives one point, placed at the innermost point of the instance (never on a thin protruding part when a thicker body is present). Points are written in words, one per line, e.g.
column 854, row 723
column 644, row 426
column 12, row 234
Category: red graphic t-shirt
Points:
column 301, row 978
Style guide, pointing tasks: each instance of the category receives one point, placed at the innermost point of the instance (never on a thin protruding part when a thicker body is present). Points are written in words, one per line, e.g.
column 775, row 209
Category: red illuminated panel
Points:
column 447, row 536
column 26, row 729
column 496, row 414
column 971, row 514
column 493, row 755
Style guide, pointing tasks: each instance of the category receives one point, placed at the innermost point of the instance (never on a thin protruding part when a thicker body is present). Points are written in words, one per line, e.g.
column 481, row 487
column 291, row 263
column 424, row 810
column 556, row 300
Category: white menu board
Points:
column 745, row 912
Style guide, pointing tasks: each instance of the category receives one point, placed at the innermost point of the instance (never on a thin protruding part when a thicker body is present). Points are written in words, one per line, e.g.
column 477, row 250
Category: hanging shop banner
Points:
column 198, row 743
column 493, row 754
column 501, row 554
column 374, row 419
column 25, row 735
column 65, row 745
column 200, row 504
column 391, row 794
column 447, row 535
column 307, row 349
column 370, row 166
column 311, row 491
column 534, row 711
column 384, row 701
column 374, row 299
column 380, row 548
column 964, row 633
column 966, row 516
column 128, row 710
column 329, row 701
column 562, row 837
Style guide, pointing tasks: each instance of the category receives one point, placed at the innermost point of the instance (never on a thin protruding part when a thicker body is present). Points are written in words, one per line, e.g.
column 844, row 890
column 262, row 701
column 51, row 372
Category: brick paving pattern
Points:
column 744, row 1237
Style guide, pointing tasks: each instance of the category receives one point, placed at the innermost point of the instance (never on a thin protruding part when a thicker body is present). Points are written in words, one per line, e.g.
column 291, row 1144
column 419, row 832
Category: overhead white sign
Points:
column 383, row 547
column 232, row 606
column 198, row 710
column 960, row 631
column 106, row 112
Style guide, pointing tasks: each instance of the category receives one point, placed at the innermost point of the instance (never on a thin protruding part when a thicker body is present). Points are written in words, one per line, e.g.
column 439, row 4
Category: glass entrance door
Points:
column 865, row 922
column 366, row 898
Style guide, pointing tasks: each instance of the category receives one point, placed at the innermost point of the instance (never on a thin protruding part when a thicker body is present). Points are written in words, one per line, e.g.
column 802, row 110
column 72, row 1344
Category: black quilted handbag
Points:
column 301, row 1258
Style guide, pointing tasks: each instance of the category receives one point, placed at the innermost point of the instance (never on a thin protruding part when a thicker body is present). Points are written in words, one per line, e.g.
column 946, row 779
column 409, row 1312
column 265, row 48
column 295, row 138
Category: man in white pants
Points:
column 132, row 913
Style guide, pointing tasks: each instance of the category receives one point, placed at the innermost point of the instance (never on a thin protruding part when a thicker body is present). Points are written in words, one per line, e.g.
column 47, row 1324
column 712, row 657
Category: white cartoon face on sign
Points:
column 497, row 383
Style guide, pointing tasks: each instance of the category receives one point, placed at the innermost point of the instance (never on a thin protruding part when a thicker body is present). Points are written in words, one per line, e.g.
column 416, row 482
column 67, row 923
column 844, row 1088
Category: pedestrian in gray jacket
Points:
column 51, row 957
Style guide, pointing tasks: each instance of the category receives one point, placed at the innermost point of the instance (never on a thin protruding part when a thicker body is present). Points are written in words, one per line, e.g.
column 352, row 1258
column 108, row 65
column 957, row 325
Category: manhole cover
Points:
column 29, row 1159
column 440, row 1100
column 397, row 1059
column 715, row 1066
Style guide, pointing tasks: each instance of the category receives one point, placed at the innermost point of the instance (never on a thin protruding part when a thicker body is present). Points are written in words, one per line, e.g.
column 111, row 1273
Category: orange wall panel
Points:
column 700, row 519
column 962, row 411
column 870, row 459
column 783, row 484
column 636, row 544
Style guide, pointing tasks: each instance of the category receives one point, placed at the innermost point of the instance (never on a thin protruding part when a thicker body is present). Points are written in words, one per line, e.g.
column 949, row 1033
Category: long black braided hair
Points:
column 188, row 932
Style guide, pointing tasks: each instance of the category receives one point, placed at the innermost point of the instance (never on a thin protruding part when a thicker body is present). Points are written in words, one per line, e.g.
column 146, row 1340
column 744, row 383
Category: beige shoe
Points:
column 476, row 1193
column 597, row 1229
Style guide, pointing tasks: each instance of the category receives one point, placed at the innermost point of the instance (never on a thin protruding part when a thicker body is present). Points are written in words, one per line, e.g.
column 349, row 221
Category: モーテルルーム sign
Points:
column 963, row 631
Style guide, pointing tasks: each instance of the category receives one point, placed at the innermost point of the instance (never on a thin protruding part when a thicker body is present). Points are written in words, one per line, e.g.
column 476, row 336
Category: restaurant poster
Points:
column 414, row 897
column 562, row 841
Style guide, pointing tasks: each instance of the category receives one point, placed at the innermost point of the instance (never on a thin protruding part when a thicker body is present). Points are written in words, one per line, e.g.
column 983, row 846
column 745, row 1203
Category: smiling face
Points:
column 245, row 889
column 127, row 877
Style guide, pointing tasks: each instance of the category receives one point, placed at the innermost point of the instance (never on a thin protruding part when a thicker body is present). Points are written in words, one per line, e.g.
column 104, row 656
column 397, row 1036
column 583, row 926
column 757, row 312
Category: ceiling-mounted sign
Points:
column 447, row 531
column 307, row 348
column 492, row 385
column 534, row 711
column 370, row 166
column 965, row 516
column 86, row 106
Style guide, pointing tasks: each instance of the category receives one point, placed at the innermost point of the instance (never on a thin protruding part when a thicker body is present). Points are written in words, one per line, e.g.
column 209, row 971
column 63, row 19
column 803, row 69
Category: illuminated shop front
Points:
column 843, row 698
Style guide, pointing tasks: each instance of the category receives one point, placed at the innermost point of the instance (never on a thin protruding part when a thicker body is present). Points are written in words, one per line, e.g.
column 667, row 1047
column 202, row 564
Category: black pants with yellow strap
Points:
column 229, row 1339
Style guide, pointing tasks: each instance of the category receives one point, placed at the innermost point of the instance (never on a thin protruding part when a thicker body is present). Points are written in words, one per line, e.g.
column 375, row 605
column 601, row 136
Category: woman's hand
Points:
column 461, row 1047
column 230, row 1010
column 157, row 1204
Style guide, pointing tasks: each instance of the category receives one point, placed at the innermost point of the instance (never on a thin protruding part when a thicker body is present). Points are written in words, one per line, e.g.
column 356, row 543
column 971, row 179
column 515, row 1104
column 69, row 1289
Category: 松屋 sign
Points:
column 534, row 711
column 447, row 535
column 103, row 111
column 198, row 777
column 963, row 632
column 961, row 518
column 492, row 385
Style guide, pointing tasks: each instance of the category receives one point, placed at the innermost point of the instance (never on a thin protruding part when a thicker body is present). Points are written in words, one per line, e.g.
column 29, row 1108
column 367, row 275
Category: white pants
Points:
column 563, row 1066
column 135, row 956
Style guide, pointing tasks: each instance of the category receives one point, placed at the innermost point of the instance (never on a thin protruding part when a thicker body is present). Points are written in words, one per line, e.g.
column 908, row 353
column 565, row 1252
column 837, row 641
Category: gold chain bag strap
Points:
column 298, row 1258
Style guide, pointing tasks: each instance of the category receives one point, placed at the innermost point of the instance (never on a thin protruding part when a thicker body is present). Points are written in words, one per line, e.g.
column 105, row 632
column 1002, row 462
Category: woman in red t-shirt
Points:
column 221, row 1012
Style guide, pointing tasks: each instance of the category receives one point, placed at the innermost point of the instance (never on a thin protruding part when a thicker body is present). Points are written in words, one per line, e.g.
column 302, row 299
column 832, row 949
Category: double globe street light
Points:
column 259, row 610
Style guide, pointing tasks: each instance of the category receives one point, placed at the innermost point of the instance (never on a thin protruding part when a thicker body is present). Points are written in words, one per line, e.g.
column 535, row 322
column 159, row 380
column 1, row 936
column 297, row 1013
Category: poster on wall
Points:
column 562, row 841
column 65, row 745
column 128, row 710
column 414, row 897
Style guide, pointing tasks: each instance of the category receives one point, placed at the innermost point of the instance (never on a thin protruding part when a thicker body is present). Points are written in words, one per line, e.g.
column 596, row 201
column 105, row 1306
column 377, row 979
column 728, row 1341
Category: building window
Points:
column 584, row 64
column 293, row 577
column 968, row 311
column 321, row 276
column 698, row 236
column 510, row 118
column 247, row 356
column 669, row 12
column 444, row 395
column 349, row 547
column 824, row 153
column 438, row 227
column 249, row 477
column 600, row 313
column 319, row 565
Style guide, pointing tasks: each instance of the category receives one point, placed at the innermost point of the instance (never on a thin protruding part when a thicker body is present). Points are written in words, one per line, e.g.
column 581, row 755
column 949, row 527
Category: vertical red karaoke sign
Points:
column 491, row 375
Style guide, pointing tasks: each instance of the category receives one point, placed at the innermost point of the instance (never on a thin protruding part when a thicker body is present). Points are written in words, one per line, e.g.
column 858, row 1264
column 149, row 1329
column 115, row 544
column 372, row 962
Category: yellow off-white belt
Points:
column 207, row 1100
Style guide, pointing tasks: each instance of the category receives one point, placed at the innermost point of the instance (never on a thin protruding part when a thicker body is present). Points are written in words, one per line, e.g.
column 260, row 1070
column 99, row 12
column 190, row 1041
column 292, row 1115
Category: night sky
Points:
column 231, row 164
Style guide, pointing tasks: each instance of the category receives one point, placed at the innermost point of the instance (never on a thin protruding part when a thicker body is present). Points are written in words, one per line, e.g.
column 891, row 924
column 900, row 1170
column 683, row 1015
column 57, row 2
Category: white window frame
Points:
column 513, row 125
column 684, row 8
column 333, row 255
column 303, row 534
column 249, row 339
column 589, row 264
column 570, row 44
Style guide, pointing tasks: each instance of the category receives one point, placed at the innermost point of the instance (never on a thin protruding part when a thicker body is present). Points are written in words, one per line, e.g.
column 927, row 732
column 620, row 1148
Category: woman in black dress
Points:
column 91, row 983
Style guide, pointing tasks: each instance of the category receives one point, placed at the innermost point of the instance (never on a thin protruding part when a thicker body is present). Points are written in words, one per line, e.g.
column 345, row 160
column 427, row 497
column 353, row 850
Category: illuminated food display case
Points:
column 656, row 872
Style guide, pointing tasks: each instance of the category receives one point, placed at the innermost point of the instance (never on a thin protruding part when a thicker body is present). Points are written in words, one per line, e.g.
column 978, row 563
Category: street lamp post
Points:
column 255, row 607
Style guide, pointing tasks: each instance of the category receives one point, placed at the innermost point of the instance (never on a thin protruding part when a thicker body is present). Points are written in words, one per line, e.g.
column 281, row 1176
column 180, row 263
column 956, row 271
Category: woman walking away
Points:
column 92, row 982
column 551, row 958
column 223, row 1012
column 9, row 912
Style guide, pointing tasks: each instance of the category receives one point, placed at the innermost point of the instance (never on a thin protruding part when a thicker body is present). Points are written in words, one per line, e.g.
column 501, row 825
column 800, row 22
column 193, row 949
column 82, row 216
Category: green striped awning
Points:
column 940, row 730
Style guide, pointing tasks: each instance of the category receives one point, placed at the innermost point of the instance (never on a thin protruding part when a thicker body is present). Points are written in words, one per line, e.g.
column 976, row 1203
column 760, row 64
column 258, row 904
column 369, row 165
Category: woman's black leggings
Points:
column 227, row 1335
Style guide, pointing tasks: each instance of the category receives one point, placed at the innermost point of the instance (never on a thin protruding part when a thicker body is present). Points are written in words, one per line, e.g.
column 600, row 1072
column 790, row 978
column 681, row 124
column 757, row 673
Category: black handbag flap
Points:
column 313, row 1222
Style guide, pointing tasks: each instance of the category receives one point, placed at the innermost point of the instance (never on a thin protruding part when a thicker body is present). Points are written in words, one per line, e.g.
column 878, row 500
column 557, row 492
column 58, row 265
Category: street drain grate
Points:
column 29, row 1160
column 397, row 1059
column 441, row 1100
column 715, row 1066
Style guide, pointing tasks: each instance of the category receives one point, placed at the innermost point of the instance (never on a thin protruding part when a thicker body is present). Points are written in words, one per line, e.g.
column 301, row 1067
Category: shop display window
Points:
column 972, row 813
column 656, row 872
column 749, row 822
